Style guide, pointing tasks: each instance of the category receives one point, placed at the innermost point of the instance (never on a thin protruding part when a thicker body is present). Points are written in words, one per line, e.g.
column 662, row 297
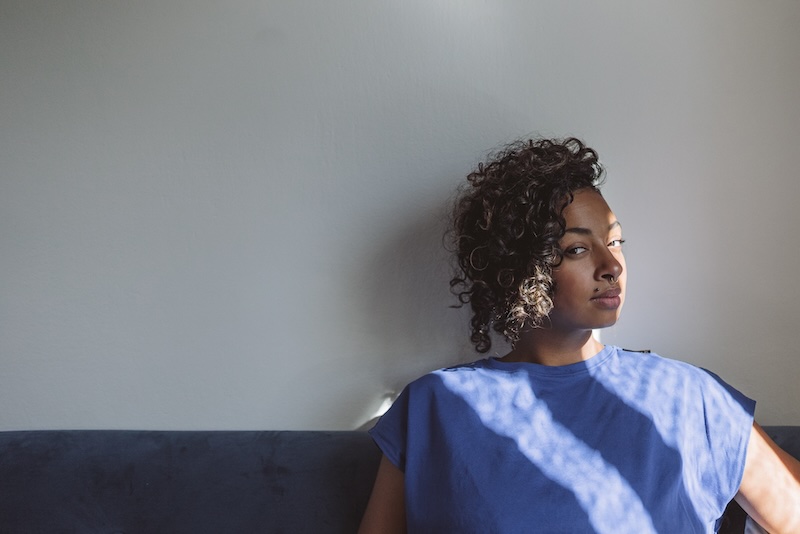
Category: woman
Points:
column 563, row 434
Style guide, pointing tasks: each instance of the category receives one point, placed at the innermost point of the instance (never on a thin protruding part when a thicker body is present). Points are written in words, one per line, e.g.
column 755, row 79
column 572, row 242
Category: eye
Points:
column 574, row 251
column 616, row 243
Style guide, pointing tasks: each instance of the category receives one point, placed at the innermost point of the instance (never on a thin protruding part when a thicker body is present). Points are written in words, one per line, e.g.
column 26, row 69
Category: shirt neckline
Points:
column 554, row 370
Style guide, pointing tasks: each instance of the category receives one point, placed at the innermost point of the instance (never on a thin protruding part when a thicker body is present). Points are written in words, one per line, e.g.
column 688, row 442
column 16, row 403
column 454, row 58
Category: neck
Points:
column 547, row 347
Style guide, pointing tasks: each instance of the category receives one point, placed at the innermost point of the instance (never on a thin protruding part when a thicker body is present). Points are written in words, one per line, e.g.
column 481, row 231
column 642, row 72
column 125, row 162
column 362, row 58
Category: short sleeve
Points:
column 391, row 431
column 728, row 416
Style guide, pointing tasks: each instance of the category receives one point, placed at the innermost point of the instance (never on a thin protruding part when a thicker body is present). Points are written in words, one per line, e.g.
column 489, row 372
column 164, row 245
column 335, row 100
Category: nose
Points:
column 609, row 268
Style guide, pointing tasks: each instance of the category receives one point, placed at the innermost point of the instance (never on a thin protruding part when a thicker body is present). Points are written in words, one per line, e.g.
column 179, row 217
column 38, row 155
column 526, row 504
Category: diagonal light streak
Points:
column 506, row 405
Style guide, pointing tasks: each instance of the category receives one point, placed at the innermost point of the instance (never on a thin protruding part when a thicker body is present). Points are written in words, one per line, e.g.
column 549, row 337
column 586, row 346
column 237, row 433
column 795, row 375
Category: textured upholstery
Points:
column 173, row 482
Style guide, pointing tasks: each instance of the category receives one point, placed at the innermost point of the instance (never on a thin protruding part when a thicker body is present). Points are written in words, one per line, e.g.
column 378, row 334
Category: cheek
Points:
column 566, row 284
column 572, row 276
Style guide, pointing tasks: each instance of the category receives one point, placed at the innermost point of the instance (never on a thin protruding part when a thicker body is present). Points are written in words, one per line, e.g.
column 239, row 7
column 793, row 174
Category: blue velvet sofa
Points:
column 112, row 481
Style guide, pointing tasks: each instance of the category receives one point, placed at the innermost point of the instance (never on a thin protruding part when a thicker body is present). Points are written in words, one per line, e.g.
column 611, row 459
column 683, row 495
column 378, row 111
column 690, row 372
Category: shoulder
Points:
column 431, row 394
column 446, row 386
column 435, row 380
column 674, row 381
column 651, row 358
column 470, row 367
column 655, row 366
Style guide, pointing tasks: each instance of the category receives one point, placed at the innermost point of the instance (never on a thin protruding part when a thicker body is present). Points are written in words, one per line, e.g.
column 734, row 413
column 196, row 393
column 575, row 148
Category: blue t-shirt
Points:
column 623, row 442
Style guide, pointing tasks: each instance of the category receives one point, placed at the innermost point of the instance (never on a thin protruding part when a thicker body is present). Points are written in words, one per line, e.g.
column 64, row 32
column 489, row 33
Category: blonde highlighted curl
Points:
column 506, row 225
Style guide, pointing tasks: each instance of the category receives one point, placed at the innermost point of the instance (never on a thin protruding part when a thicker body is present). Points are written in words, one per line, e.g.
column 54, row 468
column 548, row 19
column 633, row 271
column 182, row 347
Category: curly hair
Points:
column 506, row 225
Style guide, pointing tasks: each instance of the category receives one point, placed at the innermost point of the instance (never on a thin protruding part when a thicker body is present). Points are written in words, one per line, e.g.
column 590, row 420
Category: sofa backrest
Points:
column 172, row 481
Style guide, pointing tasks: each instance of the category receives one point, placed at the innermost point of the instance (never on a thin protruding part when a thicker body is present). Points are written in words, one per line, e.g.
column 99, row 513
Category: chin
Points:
column 606, row 324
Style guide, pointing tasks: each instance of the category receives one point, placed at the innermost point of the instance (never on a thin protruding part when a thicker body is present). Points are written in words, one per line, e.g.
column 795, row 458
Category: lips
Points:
column 609, row 299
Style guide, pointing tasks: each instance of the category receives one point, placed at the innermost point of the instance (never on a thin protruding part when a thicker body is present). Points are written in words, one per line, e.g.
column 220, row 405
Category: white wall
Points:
column 228, row 214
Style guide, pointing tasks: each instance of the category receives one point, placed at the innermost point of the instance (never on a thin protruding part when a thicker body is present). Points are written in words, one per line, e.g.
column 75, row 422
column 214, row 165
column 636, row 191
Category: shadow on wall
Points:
column 409, row 324
column 398, row 287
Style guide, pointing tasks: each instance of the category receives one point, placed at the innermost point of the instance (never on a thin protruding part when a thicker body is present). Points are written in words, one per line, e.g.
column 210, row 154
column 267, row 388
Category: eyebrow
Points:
column 586, row 231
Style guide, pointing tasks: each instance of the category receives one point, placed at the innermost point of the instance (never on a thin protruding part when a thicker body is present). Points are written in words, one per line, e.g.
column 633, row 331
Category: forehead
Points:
column 588, row 210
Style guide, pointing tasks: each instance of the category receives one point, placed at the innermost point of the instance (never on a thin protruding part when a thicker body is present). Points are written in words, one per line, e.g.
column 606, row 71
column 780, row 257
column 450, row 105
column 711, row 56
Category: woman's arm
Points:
column 386, row 509
column 770, row 490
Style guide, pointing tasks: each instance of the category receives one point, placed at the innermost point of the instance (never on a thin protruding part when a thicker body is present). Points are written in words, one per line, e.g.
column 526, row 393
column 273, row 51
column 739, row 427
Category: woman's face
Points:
column 590, row 281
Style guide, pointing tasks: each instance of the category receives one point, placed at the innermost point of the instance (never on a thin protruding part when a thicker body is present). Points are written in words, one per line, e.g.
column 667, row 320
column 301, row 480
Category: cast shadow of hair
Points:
column 409, row 320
